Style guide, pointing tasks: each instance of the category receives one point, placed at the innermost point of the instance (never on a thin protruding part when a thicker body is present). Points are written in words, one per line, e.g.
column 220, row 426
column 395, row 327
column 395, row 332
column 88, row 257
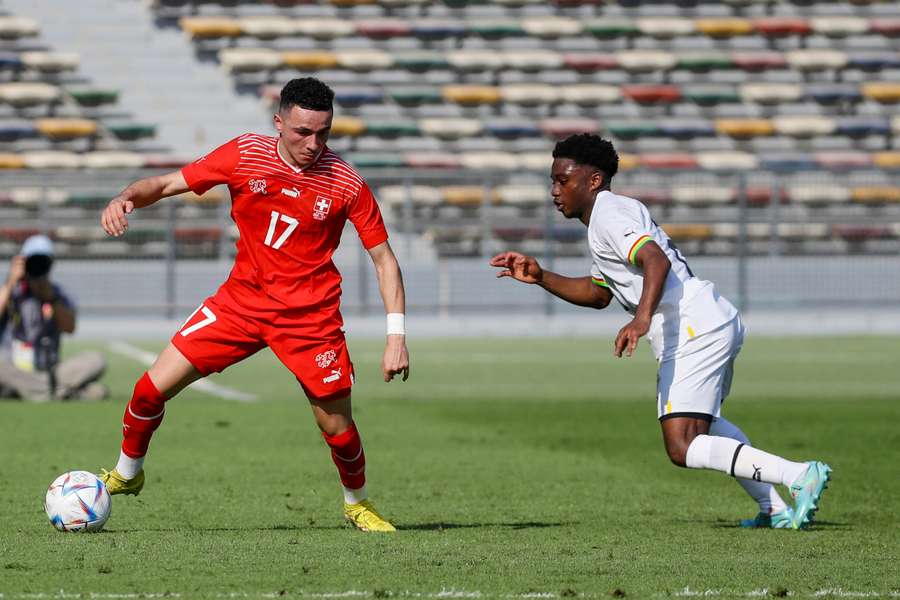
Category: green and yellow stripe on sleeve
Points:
column 599, row 281
column 641, row 241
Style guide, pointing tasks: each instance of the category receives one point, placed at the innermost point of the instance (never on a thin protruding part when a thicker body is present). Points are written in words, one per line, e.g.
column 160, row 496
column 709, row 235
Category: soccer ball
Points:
column 77, row 501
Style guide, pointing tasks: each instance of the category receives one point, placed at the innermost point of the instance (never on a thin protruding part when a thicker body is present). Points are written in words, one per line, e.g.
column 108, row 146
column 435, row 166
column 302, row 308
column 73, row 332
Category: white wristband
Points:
column 396, row 324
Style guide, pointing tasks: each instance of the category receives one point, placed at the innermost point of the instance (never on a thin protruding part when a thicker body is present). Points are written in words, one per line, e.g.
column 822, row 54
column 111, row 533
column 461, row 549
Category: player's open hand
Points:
column 629, row 335
column 518, row 266
column 16, row 270
column 113, row 219
column 396, row 358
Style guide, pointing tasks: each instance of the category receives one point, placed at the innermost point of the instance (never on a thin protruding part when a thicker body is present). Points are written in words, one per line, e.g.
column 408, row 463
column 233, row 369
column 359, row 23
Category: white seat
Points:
column 50, row 62
column 235, row 60
column 451, row 128
column 529, row 93
column 718, row 161
column 811, row 60
column 646, row 60
column 764, row 93
column 804, row 126
column 51, row 159
column 267, row 28
column 20, row 93
column 490, row 161
column 547, row 26
column 112, row 160
column 590, row 94
column 808, row 193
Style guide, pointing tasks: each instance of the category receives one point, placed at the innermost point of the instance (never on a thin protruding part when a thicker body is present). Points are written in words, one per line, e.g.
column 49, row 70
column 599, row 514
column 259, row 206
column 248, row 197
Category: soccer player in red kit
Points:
column 291, row 196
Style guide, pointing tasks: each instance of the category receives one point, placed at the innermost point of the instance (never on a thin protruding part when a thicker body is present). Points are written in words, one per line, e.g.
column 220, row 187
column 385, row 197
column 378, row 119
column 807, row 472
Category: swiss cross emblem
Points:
column 258, row 186
column 325, row 359
column 321, row 208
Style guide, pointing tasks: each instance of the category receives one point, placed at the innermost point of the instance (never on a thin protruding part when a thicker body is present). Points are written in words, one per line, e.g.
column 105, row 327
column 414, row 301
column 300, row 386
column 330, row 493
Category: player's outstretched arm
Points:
column 655, row 265
column 390, row 283
column 139, row 194
column 580, row 291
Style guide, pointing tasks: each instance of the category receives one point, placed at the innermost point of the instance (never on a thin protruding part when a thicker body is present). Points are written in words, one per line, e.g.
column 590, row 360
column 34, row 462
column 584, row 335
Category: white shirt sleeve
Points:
column 624, row 235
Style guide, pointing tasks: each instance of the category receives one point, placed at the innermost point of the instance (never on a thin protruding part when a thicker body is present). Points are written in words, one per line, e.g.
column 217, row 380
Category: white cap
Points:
column 37, row 245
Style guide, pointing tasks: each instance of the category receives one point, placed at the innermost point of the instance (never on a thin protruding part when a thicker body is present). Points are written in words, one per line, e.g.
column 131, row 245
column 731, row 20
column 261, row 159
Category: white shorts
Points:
column 696, row 381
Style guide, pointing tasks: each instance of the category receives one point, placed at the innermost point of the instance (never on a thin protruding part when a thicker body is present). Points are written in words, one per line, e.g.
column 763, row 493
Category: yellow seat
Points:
column 745, row 128
column 309, row 60
column 876, row 193
column 351, row 126
column 882, row 91
column 887, row 160
column 210, row 27
column 464, row 195
column 62, row 129
column 628, row 161
column 11, row 161
column 688, row 231
column 471, row 94
column 722, row 28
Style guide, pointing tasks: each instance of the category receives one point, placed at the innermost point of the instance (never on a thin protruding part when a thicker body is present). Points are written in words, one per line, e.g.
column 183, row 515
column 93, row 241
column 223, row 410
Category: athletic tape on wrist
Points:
column 396, row 324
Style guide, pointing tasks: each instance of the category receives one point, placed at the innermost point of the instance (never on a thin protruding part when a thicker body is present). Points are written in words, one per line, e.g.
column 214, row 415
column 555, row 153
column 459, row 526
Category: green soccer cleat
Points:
column 779, row 520
column 364, row 517
column 116, row 484
column 806, row 491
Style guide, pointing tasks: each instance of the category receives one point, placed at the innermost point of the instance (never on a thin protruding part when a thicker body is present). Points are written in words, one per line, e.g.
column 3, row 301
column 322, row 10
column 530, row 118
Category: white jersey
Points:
column 689, row 307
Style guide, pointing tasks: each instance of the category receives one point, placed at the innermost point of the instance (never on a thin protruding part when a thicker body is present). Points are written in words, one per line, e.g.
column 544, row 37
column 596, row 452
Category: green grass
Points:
column 511, row 467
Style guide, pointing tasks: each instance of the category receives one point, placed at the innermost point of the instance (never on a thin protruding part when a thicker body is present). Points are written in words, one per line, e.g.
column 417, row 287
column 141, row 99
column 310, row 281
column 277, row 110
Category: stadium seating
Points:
column 793, row 100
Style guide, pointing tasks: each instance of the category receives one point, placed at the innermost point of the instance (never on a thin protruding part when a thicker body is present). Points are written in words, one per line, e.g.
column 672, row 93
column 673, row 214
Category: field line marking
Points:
column 202, row 385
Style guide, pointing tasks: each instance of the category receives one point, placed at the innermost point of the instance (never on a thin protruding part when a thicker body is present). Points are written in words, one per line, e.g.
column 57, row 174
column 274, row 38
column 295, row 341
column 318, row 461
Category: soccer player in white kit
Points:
column 695, row 333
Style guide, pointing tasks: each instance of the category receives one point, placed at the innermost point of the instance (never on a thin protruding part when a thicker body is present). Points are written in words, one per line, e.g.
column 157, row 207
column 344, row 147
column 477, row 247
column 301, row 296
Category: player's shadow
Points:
column 411, row 527
column 817, row 526
column 443, row 526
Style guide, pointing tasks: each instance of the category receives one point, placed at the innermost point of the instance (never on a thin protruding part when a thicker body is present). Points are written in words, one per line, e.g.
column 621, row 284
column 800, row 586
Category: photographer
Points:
column 34, row 312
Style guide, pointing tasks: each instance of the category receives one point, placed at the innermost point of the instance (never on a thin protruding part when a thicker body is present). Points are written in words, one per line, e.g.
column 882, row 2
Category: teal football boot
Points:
column 779, row 520
column 806, row 491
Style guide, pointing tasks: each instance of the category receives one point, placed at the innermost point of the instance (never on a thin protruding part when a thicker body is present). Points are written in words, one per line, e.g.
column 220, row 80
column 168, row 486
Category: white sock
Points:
column 354, row 496
column 765, row 494
column 740, row 460
column 129, row 467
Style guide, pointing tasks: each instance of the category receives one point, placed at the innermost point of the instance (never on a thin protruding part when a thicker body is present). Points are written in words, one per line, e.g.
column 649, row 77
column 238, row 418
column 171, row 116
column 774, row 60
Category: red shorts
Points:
column 309, row 342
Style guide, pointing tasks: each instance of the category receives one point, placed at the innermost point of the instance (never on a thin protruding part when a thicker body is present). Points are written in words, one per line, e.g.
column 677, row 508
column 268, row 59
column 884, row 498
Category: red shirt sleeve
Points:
column 213, row 169
column 366, row 217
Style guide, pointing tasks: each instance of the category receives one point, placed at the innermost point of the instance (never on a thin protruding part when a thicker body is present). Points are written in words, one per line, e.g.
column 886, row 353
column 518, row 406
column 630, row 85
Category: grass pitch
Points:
column 519, row 468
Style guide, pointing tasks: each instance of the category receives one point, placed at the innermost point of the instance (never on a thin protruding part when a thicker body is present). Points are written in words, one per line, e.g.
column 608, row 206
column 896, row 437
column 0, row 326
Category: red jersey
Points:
column 290, row 220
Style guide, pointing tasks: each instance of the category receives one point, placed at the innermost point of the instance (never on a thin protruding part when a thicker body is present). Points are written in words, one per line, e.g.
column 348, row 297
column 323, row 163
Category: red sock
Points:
column 347, row 454
column 142, row 416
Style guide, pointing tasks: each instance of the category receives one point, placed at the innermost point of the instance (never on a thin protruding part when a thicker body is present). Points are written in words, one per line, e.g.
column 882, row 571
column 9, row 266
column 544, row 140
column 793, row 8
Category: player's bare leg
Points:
column 169, row 374
column 334, row 417
column 689, row 443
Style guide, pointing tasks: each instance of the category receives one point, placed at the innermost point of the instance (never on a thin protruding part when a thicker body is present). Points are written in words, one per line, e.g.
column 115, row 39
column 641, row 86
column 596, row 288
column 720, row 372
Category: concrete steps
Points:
column 193, row 103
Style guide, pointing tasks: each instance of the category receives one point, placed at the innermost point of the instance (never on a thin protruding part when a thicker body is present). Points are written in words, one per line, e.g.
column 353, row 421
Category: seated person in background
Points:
column 34, row 312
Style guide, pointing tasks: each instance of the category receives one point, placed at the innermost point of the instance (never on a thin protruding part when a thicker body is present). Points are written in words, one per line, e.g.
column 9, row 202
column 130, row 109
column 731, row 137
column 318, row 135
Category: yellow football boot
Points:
column 364, row 517
column 116, row 484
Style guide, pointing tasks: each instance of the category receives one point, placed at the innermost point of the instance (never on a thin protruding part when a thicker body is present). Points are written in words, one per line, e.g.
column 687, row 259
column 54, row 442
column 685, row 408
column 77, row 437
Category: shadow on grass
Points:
column 441, row 526
column 817, row 526
column 411, row 527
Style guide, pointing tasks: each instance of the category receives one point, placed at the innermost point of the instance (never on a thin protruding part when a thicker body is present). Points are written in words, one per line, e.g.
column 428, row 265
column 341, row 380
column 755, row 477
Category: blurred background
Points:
column 764, row 137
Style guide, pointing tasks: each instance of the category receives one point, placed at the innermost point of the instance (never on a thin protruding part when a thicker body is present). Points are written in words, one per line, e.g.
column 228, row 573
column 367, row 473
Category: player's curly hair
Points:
column 589, row 149
column 308, row 93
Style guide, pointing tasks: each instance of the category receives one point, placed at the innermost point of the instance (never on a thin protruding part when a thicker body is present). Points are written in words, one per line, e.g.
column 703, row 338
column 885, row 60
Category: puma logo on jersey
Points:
column 293, row 192
column 627, row 233
column 335, row 375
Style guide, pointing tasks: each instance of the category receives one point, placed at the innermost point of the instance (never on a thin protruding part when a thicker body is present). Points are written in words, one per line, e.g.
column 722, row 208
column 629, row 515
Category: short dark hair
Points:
column 589, row 149
column 308, row 93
